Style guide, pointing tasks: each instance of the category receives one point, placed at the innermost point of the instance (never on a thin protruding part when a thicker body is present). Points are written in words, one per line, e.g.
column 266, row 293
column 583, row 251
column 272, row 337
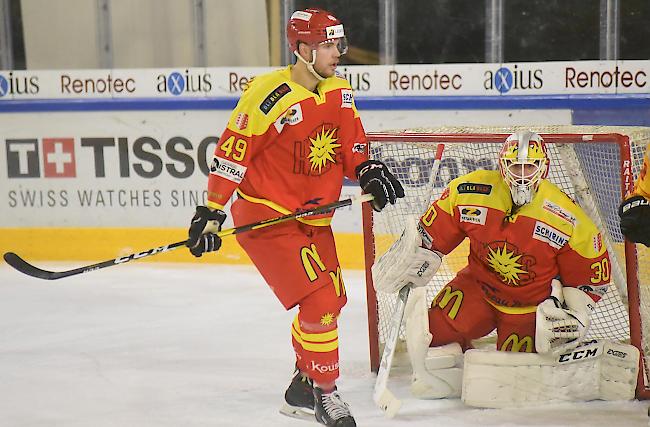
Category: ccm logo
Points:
column 578, row 354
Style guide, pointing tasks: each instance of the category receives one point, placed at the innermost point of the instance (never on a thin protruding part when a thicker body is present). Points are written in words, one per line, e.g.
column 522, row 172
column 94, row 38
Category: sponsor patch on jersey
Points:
column 358, row 147
column 547, row 234
column 346, row 98
column 291, row 117
column 559, row 211
column 427, row 239
column 474, row 188
column 241, row 121
column 226, row 169
column 274, row 97
column 473, row 214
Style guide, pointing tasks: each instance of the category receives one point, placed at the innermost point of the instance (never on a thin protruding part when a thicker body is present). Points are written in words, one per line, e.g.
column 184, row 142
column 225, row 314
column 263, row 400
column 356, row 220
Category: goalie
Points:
column 536, row 268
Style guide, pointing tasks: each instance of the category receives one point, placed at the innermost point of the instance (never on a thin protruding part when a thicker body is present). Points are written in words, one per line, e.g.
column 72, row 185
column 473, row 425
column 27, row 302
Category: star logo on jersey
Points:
column 322, row 149
column 507, row 264
column 327, row 319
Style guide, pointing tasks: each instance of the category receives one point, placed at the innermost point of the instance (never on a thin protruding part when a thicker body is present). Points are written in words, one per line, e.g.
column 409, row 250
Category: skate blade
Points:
column 297, row 412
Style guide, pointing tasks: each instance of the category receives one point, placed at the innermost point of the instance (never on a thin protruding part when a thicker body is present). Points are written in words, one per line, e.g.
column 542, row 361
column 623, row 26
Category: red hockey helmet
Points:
column 313, row 27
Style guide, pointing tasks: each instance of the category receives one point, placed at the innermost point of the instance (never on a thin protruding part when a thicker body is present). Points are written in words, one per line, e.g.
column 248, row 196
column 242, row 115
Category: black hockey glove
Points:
column 635, row 219
column 375, row 178
column 201, row 237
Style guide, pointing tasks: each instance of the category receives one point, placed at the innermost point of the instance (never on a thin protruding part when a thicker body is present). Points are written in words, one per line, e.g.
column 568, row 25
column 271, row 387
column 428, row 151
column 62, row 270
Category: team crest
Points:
column 322, row 149
column 511, row 266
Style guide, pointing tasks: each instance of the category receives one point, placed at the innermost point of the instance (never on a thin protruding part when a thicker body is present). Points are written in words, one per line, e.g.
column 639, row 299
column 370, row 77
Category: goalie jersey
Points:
column 287, row 147
column 514, row 255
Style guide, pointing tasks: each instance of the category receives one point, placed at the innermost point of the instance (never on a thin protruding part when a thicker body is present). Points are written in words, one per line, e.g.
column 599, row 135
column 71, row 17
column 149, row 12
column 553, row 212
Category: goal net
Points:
column 595, row 165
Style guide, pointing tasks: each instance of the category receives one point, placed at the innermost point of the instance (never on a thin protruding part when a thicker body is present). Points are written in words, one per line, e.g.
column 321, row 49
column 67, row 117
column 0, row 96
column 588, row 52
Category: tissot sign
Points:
column 105, row 168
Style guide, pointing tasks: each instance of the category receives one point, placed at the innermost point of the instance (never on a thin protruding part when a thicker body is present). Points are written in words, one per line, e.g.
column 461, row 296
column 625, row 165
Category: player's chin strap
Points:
column 310, row 65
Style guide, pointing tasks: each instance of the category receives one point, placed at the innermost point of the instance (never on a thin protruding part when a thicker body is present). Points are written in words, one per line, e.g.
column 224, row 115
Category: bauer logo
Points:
column 505, row 79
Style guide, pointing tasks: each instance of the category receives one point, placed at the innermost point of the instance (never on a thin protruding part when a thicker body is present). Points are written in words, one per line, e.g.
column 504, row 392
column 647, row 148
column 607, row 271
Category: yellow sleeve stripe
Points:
column 513, row 310
column 320, row 222
column 213, row 205
column 317, row 343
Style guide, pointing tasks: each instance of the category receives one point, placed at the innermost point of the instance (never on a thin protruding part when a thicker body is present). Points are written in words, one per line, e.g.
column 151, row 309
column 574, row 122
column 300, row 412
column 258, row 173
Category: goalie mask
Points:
column 314, row 27
column 523, row 162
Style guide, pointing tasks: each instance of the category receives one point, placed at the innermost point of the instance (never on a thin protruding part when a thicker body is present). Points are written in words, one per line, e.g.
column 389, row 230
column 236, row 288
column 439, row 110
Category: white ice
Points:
column 147, row 344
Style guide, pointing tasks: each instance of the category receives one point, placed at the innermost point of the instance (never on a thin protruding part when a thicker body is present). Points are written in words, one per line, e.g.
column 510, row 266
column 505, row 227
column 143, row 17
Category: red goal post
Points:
column 596, row 165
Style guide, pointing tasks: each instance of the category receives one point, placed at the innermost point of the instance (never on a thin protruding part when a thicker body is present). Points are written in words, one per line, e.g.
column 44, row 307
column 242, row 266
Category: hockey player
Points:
column 536, row 268
column 293, row 137
column 635, row 209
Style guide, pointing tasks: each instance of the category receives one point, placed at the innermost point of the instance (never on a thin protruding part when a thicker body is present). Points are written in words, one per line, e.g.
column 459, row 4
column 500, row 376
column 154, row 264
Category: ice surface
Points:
column 198, row 345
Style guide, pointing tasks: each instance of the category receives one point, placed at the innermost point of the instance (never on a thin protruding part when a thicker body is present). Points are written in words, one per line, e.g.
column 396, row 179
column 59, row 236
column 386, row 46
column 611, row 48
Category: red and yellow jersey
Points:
column 642, row 186
column 287, row 147
column 515, row 255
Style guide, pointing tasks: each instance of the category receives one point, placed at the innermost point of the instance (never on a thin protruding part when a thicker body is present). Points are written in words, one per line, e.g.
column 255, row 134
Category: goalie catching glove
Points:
column 562, row 320
column 375, row 178
column 405, row 263
column 635, row 219
column 201, row 237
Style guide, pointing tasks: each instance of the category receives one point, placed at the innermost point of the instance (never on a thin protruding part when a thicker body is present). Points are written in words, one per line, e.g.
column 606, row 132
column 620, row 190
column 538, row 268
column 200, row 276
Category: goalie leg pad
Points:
column 595, row 370
column 437, row 371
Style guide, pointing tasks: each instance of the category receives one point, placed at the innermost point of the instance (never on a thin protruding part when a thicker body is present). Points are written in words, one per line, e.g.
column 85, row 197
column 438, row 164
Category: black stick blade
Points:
column 26, row 268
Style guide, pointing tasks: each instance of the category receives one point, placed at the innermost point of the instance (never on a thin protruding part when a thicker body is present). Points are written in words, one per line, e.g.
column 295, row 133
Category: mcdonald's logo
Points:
column 309, row 255
column 337, row 280
column 513, row 343
column 445, row 296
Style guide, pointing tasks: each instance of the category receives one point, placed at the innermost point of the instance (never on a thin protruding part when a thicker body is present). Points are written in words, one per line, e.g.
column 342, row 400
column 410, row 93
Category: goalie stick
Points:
column 24, row 267
column 383, row 397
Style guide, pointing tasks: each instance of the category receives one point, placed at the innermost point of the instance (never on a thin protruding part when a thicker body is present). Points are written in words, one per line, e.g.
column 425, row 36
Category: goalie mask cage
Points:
column 595, row 165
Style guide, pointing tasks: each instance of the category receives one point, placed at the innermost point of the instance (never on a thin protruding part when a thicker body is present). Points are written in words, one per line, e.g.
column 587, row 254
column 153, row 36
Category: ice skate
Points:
column 299, row 397
column 331, row 410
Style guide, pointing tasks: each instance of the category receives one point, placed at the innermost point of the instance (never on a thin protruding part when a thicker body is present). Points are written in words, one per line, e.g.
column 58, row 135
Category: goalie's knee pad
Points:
column 437, row 371
column 594, row 370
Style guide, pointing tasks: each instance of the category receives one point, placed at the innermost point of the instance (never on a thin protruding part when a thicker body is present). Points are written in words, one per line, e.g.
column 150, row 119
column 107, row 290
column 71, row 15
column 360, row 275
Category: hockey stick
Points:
column 26, row 268
column 383, row 397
